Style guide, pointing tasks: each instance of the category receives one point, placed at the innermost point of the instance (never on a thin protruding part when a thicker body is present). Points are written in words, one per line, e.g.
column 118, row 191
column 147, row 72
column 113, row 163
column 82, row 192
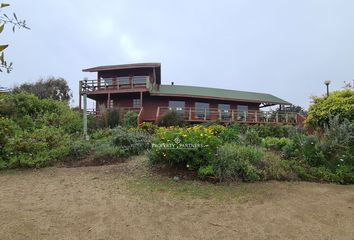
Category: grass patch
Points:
column 156, row 187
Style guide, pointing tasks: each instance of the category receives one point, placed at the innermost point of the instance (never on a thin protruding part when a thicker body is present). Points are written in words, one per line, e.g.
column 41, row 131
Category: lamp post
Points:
column 327, row 82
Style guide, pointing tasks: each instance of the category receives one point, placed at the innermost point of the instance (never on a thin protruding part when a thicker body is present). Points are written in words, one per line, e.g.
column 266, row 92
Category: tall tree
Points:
column 56, row 88
column 15, row 23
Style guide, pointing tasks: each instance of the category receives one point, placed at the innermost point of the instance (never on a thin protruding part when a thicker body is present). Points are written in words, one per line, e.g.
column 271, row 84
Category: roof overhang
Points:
column 218, row 98
column 155, row 66
column 122, row 66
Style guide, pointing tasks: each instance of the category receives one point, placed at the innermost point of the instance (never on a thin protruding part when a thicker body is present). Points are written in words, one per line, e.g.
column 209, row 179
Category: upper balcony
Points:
column 118, row 84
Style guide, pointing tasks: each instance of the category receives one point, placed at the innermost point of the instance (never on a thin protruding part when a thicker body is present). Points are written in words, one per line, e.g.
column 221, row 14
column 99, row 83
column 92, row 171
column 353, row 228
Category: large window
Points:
column 242, row 111
column 201, row 110
column 136, row 103
column 224, row 111
column 176, row 105
column 139, row 80
column 105, row 82
column 123, row 81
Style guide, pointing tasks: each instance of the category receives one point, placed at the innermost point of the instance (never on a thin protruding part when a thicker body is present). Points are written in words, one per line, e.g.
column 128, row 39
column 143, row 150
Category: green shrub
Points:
column 274, row 143
column 206, row 171
column 148, row 127
column 171, row 118
column 79, row 148
column 337, row 142
column 274, row 130
column 131, row 119
column 132, row 142
column 101, row 133
column 276, row 168
column 107, row 150
column 8, row 129
column 30, row 112
column 216, row 130
column 36, row 149
column 238, row 162
column 251, row 137
column 191, row 148
column 113, row 117
column 231, row 134
column 338, row 103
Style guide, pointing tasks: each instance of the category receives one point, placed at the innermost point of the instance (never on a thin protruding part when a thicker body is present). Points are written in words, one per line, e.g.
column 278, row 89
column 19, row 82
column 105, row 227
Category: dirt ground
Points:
column 124, row 201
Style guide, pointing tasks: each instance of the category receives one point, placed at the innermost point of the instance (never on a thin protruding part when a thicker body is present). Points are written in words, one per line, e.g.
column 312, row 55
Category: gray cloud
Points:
column 286, row 48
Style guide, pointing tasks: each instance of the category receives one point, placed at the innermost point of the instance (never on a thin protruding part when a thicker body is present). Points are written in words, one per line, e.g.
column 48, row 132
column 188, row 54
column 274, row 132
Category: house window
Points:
column 136, row 103
column 201, row 110
column 139, row 80
column 224, row 111
column 176, row 105
column 105, row 82
column 123, row 81
column 110, row 103
column 242, row 111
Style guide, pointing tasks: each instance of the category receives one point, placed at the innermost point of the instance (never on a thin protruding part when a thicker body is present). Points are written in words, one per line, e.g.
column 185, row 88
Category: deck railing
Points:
column 113, row 83
column 232, row 115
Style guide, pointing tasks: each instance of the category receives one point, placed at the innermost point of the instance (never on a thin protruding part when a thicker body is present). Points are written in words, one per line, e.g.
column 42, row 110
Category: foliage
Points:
column 251, row 137
column 238, row 162
column 171, row 118
column 35, row 149
column 148, row 127
column 107, row 150
column 35, row 132
column 338, row 103
column 28, row 111
column 216, row 130
column 231, row 134
column 8, row 129
column 16, row 23
column 190, row 148
column 273, row 130
column 79, row 149
column 131, row 119
column 274, row 143
column 55, row 88
column 292, row 108
column 132, row 142
column 337, row 142
column 113, row 117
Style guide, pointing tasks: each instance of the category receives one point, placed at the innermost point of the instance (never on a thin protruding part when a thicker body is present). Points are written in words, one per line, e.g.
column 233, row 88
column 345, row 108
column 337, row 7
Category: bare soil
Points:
column 127, row 201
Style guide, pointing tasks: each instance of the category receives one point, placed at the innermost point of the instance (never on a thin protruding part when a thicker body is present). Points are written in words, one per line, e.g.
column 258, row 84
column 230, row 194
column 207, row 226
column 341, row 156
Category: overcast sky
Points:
column 286, row 48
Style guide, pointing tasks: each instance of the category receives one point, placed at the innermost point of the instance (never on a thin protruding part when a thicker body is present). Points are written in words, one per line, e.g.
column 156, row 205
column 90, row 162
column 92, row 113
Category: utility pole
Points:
column 84, row 114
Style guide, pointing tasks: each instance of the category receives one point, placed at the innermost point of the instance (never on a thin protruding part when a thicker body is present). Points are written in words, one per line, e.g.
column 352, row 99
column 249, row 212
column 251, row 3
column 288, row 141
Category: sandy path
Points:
column 96, row 203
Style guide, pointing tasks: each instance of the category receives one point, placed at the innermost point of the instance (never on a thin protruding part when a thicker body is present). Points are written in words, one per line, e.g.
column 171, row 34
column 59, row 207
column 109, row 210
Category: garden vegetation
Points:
column 38, row 132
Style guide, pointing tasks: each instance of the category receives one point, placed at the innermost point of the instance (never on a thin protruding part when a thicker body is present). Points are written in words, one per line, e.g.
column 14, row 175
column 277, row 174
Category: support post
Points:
column 232, row 115
column 141, row 99
column 80, row 89
column 190, row 114
column 109, row 101
column 205, row 112
column 256, row 116
column 84, row 114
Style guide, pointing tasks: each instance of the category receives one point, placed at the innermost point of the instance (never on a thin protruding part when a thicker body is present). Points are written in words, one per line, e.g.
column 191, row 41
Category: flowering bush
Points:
column 191, row 148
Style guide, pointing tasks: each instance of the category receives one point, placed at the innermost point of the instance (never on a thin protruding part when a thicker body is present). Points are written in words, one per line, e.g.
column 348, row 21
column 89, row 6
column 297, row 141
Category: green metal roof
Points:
column 217, row 93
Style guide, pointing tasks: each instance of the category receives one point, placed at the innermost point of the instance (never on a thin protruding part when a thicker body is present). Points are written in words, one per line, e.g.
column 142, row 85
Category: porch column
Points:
column 141, row 99
column 80, row 89
column 109, row 101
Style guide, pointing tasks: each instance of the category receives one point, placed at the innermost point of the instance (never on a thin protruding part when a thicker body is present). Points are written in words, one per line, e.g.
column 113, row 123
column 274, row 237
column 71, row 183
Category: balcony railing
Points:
column 114, row 83
column 213, row 114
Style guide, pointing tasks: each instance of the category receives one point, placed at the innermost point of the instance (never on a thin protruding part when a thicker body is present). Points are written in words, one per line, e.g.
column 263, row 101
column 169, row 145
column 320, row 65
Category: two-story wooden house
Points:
column 137, row 87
